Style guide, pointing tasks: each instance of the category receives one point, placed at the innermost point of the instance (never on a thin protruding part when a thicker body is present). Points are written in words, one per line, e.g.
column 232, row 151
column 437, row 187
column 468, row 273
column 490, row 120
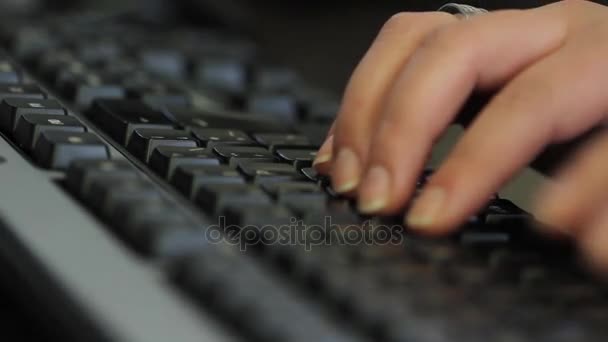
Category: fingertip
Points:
column 345, row 171
column 552, row 210
column 594, row 246
column 427, row 215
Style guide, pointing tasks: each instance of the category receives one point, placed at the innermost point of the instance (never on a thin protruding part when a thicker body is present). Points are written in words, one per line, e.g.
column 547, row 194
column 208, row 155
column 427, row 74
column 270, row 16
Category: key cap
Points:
column 107, row 194
column 227, row 120
column 268, row 172
column 158, row 229
column 144, row 140
column 167, row 100
column 299, row 158
column 82, row 86
column 502, row 211
column 98, row 52
column 30, row 42
column 169, row 239
column 281, row 106
column 274, row 79
column 252, row 224
column 81, row 173
column 11, row 110
column 299, row 197
column 85, row 94
column 119, row 118
column 29, row 91
column 166, row 63
column 322, row 110
column 209, row 136
column 50, row 64
column 8, row 73
column 315, row 132
column 214, row 198
column 30, row 126
column 228, row 152
column 165, row 159
column 272, row 139
column 56, row 149
column 311, row 174
column 188, row 178
column 226, row 75
column 279, row 189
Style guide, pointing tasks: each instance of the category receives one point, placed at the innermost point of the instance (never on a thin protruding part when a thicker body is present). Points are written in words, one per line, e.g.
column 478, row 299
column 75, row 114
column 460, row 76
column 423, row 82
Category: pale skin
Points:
column 549, row 69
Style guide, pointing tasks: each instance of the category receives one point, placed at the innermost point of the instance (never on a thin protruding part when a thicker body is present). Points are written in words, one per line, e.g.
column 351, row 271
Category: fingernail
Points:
column 324, row 154
column 426, row 208
column 345, row 173
column 374, row 190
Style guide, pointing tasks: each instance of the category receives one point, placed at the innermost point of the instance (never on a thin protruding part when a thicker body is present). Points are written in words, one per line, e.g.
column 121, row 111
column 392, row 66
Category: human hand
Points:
column 549, row 69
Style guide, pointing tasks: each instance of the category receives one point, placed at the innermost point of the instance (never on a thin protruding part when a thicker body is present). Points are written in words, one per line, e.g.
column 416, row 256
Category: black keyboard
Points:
column 194, row 152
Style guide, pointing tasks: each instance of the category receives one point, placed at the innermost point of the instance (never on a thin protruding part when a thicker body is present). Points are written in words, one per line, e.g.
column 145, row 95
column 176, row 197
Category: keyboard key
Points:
column 225, row 75
column 29, row 91
column 98, row 52
column 214, row 198
column 81, row 173
column 144, row 140
column 119, row 118
column 85, row 94
column 188, row 178
column 167, row 100
column 257, row 219
column 50, row 64
column 228, row 152
column 57, row 149
column 274, row 79
column 227, row 120
column 281, row 106
column 273, row 139
column 165, row 159
column 279, row 189
column 268, row 172
column 299, row 197
column 11, row 110
column 169, row 239
column 30, row 126
column 8, row 73
column 166, row 63
column 322, row 110
column 299, row 158
column 315, row 132
column 157, row 229
column 107, row 195
column 210, row 136
column 311, row 174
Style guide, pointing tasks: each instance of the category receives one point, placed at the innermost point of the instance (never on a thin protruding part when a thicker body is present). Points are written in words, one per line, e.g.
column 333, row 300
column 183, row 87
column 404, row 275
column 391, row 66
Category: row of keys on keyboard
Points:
column 42, row 128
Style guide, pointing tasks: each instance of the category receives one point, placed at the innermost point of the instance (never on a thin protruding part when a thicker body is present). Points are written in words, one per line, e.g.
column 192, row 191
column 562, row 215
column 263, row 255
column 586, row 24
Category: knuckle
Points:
column 399, row 21
column 451, row 38
column 404, row 21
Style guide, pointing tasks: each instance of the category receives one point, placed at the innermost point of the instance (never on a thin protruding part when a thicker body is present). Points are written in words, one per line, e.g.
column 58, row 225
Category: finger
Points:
column 578, row 191
column 594, row 241
column 324, row 154
column 321, row 162
column 366, row 90
column 435, row 84
column 530, row 112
